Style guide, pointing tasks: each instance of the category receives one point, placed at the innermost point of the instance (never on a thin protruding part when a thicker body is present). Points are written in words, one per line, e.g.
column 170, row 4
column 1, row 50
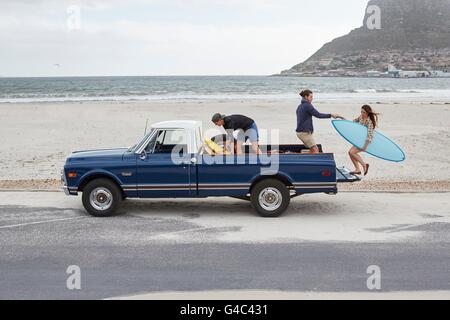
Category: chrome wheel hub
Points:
column 270, row 199
column 101, row 199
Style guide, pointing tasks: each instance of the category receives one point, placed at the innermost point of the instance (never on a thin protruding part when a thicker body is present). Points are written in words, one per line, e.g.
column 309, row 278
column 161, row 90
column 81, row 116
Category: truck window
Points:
column 198, row 139
column 165, row 141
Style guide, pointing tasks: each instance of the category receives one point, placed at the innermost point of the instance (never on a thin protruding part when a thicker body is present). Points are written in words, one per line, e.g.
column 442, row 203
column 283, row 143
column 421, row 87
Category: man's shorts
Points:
column 251, row 134
column 307, row 138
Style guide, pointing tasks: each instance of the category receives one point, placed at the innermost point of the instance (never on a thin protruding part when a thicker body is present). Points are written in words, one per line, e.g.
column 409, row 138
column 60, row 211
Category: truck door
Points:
column 164, row 167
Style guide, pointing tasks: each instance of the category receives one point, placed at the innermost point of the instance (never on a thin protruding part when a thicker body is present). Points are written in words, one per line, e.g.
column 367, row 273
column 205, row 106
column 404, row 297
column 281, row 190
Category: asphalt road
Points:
column 322, row 244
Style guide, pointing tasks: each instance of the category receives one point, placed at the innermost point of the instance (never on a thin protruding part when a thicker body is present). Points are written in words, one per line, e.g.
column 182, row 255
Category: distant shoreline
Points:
column 210, row 89
column 354, row 77
column 222, row 101
column 214, row 76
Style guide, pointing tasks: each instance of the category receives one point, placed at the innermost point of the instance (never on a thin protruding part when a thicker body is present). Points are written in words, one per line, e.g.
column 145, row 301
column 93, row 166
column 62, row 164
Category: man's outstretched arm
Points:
column 319, row 115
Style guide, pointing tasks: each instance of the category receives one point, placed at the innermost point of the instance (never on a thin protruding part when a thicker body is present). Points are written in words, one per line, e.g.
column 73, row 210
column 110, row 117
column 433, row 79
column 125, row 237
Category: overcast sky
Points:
column 167, row 37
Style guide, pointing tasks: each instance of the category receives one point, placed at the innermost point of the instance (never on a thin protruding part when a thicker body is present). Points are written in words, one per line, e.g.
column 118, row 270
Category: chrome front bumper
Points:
column 70, row 191
column 67, row 190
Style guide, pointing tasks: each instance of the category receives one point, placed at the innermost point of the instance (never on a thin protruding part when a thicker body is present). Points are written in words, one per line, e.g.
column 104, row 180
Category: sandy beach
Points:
column 36, row 138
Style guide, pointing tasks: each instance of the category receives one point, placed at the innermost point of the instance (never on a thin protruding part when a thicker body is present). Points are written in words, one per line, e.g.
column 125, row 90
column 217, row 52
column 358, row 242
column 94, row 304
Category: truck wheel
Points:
column 101, row 198
column 270, row 198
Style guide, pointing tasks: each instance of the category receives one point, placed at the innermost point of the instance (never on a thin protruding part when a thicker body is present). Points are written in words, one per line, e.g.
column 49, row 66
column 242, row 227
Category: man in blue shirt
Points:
column 305, row 128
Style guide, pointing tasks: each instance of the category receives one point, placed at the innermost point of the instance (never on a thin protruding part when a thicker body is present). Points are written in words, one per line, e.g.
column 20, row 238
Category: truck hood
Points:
column 99, row 154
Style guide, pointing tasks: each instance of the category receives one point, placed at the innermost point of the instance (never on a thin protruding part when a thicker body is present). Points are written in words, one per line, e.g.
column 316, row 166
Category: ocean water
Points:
column 221, row 88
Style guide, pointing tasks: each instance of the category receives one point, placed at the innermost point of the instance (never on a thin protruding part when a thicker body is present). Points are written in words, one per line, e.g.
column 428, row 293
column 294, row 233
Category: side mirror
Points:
column 143, row 155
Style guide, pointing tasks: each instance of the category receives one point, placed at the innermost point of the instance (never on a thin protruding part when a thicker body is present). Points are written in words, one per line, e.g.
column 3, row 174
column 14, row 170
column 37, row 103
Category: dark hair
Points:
column 372, row 114
column 306, row 93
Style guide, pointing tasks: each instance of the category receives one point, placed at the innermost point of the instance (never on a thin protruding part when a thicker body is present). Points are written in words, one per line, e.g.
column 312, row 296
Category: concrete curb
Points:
column 31, row 190
column 286, row 295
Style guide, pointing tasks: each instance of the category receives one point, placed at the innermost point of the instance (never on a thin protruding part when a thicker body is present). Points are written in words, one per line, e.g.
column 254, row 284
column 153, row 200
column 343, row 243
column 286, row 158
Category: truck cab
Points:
column 173, row 161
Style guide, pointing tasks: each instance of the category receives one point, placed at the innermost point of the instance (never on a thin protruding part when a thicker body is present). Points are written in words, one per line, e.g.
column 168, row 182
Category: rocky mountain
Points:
column 411, row 34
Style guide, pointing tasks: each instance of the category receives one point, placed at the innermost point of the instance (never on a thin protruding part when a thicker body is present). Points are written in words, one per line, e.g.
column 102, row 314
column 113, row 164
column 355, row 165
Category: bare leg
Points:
column 355, row 162
column 314, row 150
column 359, row 159
column 255, row 148
column 239, row 148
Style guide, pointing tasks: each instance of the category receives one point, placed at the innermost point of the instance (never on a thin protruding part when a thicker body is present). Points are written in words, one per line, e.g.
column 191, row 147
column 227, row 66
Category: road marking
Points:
column 406, row 227
column 181, row 231
column 38, row 222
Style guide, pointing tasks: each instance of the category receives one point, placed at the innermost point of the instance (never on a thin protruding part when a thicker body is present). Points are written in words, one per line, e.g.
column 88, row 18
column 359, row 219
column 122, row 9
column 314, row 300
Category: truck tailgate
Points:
column 343, row 175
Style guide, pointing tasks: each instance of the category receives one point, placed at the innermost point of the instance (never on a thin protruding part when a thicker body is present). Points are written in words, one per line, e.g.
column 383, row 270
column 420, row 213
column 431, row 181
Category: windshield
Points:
column 139, row 145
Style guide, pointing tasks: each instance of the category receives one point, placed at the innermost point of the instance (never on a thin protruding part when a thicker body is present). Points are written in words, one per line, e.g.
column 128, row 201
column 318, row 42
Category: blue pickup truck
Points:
column 172, row 161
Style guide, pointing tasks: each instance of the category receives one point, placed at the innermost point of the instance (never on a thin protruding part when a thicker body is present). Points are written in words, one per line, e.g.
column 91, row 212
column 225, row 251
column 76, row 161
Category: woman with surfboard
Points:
column 305, row 113
column 362, row 135
column 368, row 118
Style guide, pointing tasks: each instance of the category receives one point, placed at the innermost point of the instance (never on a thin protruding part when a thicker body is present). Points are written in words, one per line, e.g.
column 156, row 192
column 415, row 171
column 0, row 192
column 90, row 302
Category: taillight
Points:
column 326, row 173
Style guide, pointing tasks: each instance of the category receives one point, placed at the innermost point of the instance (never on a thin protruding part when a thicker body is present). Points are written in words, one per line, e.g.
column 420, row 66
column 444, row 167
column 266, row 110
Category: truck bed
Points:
column 283, row 149
column 297, row 154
